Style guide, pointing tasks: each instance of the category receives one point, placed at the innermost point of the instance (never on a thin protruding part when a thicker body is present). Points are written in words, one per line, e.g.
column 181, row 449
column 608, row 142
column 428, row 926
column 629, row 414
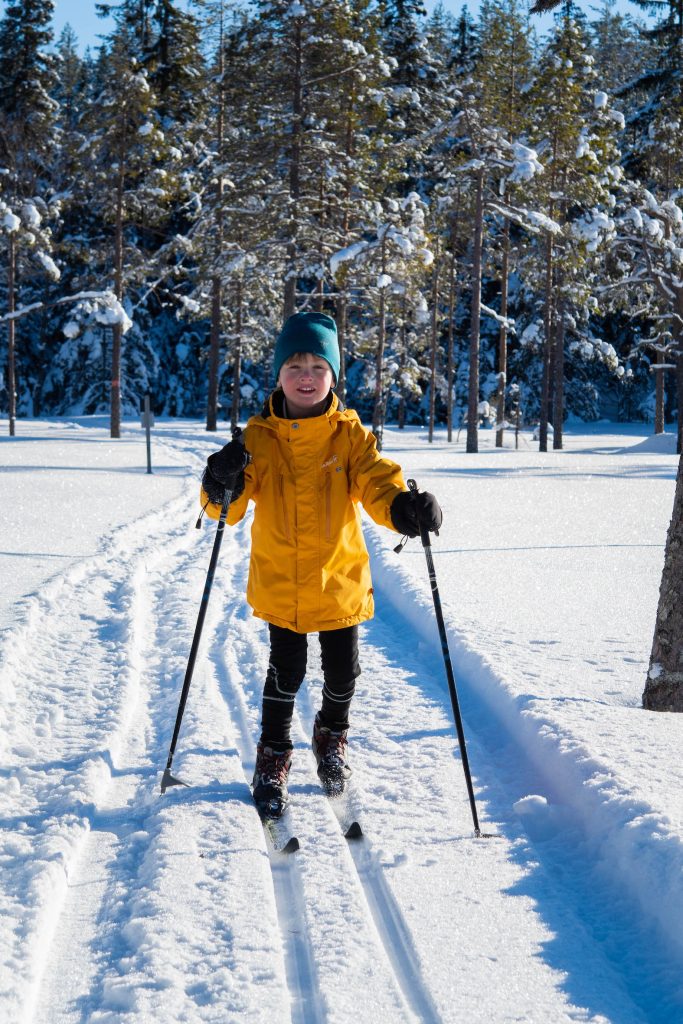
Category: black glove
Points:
column 409, row 509
column 228, row 463
column 225, row 469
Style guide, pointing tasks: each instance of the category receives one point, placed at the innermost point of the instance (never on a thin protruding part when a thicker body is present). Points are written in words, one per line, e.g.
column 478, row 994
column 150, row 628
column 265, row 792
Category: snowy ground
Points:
column 118, row 905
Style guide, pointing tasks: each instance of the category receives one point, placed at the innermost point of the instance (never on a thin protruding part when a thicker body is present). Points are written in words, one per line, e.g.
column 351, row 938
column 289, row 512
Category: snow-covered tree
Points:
column 127, row 188
column 504, row 68
column 575, row 126
column 26, row 238
column 27, row 77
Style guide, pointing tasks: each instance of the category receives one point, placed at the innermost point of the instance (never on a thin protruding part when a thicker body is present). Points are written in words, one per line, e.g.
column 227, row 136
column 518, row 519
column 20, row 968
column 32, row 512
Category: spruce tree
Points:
column 127, row 188
column 27, row 78
column 580, row 161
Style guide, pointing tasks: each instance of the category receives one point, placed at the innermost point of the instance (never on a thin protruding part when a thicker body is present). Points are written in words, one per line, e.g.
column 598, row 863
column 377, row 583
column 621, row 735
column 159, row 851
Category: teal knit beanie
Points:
column 308, row 332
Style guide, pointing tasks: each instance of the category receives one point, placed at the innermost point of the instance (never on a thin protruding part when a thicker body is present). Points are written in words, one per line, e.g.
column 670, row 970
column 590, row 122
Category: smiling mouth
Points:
column 306, row 391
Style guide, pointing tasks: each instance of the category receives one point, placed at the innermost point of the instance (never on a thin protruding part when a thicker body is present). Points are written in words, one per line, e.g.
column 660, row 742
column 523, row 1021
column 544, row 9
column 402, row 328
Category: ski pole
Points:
column 426, row 544
column 168, row 779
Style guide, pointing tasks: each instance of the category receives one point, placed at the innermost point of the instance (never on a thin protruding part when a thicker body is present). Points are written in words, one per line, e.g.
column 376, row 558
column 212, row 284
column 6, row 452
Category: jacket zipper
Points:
column 284, row 507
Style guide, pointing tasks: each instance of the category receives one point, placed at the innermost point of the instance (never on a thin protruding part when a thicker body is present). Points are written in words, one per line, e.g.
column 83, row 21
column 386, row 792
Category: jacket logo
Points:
column 330, row 462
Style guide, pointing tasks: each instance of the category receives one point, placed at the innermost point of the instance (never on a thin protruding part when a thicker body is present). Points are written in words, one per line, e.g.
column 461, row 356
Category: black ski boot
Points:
column 270, row 781
column 330, row 752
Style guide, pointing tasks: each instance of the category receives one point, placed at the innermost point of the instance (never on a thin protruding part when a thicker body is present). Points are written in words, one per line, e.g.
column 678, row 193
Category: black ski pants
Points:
column 286, row 671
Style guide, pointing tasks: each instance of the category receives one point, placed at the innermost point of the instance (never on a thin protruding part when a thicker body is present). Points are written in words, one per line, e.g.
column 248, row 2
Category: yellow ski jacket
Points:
column 309, row 567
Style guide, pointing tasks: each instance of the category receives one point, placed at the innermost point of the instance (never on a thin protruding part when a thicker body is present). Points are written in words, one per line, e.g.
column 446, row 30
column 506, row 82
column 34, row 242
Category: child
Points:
column 310, row 463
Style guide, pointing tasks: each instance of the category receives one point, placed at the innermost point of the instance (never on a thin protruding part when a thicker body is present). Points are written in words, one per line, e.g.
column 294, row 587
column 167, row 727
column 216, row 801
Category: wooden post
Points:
column 147, row 419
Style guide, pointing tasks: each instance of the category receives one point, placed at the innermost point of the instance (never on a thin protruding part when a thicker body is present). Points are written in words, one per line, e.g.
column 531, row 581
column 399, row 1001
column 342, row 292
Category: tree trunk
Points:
column 377, row 412
column 547, row 350
column 678, row 356
column 659, row 394
column 558, row 374
column 216, row 286
column 294, row 172
column 433, row 346
column 502, row 339
column 237, row 358
column 214, row 354
column 473, row 387
column 664, row 686
column 341, row 337
column 11, row 337
column 453, row 299
column 117, row 331
column 401, row 415
column 679, row 397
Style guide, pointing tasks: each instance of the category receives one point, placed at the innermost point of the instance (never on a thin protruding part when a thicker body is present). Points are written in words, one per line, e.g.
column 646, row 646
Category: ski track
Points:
column 343, row 952
column 134, row 880
column 255, row 941
column 580, row 895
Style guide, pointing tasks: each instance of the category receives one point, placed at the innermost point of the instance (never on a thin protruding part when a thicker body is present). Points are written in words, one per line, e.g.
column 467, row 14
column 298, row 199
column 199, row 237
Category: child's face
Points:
column 306, row 381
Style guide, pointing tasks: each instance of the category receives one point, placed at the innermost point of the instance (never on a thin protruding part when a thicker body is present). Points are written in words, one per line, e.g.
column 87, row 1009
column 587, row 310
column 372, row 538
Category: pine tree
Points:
column 26, row 139
column 580, row 168
column 26, row 80
column 127, row 189
column 504, row 68
column 27, row 239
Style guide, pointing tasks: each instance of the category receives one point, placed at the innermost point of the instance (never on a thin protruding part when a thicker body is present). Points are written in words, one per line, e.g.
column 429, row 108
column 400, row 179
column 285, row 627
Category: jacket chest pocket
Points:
column 327, row 505
column 284, row 512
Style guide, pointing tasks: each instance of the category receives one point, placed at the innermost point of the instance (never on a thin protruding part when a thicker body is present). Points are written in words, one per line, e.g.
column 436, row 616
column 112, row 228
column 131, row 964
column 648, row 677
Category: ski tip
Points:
column 291, row 846
column 354, row 831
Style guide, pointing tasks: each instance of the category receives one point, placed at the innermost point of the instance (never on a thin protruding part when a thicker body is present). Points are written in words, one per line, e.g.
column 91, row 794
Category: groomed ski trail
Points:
column 348, row 950
column 172, row 908
column 116, row 858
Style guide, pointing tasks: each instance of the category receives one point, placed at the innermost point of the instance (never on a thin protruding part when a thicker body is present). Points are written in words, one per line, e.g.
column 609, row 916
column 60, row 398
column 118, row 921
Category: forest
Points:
column 492, row 215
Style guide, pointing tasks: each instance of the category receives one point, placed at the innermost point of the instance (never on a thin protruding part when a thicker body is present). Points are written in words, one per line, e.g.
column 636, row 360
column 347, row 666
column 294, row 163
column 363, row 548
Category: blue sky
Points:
column 81, row 15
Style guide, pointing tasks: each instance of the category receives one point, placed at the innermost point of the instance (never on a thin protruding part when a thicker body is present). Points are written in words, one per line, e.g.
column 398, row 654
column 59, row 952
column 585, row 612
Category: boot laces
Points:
column 332, row 747
column 272, row 767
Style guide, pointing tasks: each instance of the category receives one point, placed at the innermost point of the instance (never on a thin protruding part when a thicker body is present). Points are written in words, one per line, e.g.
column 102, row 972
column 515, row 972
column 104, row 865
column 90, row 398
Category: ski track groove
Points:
column 115, row 628
column 302, row 977
column 68, row 969
column 57, row 787
column 382, row 906
column 381, row 911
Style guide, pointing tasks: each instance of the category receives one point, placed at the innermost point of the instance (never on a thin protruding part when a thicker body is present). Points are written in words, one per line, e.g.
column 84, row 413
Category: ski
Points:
column 278, row 835
column 354, row 831
column 344, row 812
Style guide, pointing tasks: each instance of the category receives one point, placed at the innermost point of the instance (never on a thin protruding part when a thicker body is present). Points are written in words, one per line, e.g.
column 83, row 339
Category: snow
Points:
column 344, row 255
column 527, row 164
column 118, row 905
column 10, row 221
column 49, row 265
column 32, row 218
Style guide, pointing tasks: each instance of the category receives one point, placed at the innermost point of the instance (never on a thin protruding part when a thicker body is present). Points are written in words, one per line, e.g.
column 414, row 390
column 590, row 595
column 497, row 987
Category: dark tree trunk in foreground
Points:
column 664, row 687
